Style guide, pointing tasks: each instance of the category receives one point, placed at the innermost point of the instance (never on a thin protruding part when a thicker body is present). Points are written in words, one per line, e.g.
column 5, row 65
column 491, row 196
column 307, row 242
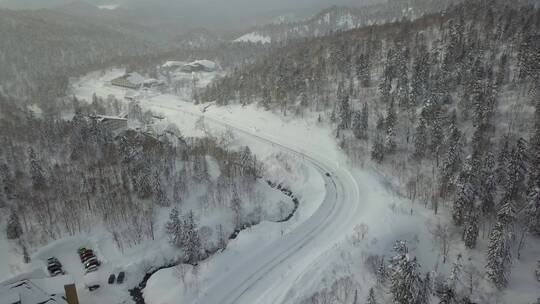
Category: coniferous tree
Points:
column 390, row 124
column 404, row 276
column 371, row 297
column 360, row 123
column 160, row 196
column 358, row 132
column 470, row 229
column 14, row 229
column 452, row 159
column 487, row 183
column 36, row 171
column 173, row 228
column 533, row 211
column 378, row 149
column 515, row 186
column 344, row 112
column 191, row 242
column 420, row 140
column 499, row 255
column 465, row 196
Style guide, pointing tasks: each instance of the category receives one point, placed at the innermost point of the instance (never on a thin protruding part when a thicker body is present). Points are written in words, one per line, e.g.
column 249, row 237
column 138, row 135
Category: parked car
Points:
column 91, row 268
column 87, row 254
column 120, row 278
column 54, row 266
column 87, row 257
column 91, row 281
column 91, row 262
column 55, row 270
column 53, row 260
column 111, row 279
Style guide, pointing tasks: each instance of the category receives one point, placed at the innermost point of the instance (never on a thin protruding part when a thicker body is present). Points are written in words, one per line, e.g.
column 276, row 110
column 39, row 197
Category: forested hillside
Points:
column 448, row 105
column 41, row 49
column 341, row 18
column 64, row 178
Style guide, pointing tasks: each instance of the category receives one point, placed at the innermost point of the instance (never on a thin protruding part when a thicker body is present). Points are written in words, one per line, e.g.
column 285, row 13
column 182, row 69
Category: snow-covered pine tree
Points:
column 160, row 196
column 470, row 229
column 465, row 195
column 518, row 169
column 503, row 162
column 36, row 171
column 499, row 254
column 405, row 278
column 377, row 150
column 371, row 297
column 236, row 207
column 358, row 132
column 344, row 112
column 365, row 119
column 382, row 273
column 437, row 138
column 533, row 211
column 14, row 229
column 488, row 184
column 425, row 290
column 191, row 242
column 420, row 140
column 390, row 124
column 173, row 228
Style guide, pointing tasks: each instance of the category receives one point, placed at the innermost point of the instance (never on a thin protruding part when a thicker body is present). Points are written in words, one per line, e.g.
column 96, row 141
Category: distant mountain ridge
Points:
column 342, row 18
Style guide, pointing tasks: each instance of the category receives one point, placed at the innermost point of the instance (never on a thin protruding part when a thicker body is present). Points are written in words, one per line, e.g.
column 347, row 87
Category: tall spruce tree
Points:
column 499, row 256
column 173, row 228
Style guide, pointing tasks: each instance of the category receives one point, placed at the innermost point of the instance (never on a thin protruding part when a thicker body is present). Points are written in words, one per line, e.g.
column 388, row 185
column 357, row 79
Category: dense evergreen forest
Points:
column 449, row 105
column 60, row 177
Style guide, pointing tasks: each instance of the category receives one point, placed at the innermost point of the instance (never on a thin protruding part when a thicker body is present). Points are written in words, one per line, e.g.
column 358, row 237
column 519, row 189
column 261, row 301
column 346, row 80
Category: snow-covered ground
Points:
column 264, row 274
column 282, row 262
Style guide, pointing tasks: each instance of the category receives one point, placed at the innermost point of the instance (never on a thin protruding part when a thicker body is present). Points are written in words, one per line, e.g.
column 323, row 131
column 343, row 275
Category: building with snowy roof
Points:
column 35, row 291
column 132, row 80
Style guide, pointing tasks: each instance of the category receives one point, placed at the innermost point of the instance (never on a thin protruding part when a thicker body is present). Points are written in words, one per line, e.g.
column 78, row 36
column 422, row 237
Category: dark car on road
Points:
column 111, row 279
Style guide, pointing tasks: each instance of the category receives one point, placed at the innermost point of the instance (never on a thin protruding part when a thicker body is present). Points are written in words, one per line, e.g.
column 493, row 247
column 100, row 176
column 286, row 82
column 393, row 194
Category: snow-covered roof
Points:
column 35, row 291
column 207, row 64
column 135, row 78
column 253, row 37
column 173, row 63
column 105, row 117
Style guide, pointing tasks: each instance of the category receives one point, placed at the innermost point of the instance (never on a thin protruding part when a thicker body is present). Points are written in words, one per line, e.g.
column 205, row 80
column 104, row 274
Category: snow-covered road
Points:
column 268, row 275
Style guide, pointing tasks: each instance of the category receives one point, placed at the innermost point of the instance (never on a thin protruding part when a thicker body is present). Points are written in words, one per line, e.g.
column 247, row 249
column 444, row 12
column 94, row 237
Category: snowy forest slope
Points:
column 448, row 105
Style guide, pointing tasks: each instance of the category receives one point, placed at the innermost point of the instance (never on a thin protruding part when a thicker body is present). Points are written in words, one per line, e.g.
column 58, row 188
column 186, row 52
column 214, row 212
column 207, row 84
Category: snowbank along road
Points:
column 268, row 275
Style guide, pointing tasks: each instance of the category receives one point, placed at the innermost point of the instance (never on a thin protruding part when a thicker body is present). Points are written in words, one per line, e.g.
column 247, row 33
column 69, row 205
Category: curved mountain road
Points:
column 268, row 276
